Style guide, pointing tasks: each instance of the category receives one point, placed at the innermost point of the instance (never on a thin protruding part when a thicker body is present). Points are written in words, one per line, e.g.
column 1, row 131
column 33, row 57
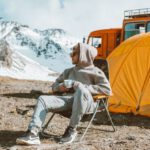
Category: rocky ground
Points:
column 17, row 101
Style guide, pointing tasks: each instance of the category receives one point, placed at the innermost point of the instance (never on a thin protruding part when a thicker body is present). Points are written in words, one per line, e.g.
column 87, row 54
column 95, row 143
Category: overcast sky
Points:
column 78, row 17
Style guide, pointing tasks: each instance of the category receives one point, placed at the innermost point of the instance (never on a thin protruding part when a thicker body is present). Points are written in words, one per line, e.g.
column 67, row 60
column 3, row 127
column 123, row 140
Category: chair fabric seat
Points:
column 99, row 96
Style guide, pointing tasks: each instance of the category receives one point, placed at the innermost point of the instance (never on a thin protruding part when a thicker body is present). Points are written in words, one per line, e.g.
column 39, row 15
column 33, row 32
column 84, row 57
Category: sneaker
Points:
column 28, row 138
column 69, row 135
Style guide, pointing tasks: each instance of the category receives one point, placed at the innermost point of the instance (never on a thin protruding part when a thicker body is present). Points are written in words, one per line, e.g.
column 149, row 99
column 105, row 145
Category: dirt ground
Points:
column 17, row 101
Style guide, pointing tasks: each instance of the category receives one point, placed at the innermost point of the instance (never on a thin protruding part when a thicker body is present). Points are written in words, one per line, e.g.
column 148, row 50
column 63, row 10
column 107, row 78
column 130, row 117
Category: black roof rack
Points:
column 136, row 13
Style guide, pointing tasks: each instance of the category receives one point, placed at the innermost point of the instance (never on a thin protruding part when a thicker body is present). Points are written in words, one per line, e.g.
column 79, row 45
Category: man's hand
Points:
column 62, row 88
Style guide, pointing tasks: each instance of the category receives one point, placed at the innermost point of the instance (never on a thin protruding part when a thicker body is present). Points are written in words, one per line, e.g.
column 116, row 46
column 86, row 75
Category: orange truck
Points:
column 106, row 40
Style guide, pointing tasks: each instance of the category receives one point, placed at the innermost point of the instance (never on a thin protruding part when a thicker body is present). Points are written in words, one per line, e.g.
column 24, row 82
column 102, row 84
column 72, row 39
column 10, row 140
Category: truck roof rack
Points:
column 137, row 13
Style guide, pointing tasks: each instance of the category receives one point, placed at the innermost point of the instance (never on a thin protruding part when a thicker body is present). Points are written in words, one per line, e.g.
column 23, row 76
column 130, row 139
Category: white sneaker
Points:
column 28, row 139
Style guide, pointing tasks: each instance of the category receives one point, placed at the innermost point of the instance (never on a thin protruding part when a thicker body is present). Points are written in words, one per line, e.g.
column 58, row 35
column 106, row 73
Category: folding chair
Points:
column 101, row 102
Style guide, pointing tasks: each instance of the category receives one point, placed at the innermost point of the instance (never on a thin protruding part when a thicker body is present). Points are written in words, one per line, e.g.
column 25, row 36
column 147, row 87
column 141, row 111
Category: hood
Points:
column 87, row 55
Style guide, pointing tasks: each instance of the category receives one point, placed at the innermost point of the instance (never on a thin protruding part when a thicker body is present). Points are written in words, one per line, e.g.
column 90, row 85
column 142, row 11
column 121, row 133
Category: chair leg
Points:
column 46, row 125
column 95, row 111
column 106, row 108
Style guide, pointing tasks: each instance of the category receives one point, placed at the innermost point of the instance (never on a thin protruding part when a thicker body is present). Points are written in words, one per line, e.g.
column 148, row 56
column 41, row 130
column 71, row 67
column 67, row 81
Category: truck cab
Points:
column 106, row 40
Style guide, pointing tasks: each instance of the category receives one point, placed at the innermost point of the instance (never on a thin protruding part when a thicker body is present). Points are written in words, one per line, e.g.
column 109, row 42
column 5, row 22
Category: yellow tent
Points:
column 129, row 66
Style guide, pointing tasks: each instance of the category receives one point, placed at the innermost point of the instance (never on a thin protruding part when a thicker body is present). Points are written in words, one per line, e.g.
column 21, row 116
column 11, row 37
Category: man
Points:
column 80, row 82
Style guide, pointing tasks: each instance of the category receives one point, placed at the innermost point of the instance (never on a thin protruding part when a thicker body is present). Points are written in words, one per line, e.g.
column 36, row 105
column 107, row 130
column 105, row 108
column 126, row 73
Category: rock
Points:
column 30, row 113
column 22, row 111
column 130, row 137
column 13, row 111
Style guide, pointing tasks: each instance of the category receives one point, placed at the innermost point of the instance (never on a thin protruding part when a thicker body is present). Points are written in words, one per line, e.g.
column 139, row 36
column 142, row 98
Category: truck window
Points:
column 95, row 41
column 148, row 27
column 132, row 29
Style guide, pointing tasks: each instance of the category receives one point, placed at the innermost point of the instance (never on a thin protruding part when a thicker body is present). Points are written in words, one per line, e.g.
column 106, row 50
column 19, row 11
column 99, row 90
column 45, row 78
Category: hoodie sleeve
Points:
column 101, row 85
column 59, row 80
column 55, row 86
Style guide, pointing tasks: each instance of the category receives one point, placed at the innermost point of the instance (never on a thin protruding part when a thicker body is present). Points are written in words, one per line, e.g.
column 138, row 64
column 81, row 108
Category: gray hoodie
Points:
column 85, row 73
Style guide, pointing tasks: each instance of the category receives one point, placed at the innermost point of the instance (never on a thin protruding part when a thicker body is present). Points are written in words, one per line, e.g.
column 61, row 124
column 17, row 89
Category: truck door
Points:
column 113, row 40
column 100, row 43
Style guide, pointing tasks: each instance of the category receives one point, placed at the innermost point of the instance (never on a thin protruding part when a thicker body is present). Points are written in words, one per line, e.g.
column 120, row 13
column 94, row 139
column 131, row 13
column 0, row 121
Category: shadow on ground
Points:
column 123, row 119
column 33, row 94
column 8, row 138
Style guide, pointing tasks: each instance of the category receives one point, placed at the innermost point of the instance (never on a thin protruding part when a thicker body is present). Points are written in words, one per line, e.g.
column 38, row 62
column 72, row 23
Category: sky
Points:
column 78, row 17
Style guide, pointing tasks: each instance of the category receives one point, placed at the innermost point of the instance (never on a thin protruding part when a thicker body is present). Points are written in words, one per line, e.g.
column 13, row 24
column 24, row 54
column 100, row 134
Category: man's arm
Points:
column 101, row 85
column 58, row 85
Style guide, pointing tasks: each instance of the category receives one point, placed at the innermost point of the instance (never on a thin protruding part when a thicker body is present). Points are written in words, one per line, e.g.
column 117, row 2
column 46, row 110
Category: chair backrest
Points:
column 103, row 65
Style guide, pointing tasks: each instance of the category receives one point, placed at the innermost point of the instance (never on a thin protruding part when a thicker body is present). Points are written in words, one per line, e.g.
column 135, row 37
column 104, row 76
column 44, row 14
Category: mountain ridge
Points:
column 49, row 48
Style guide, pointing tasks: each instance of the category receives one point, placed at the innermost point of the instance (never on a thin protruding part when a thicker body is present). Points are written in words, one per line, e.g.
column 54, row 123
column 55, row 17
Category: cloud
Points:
column 79, row 17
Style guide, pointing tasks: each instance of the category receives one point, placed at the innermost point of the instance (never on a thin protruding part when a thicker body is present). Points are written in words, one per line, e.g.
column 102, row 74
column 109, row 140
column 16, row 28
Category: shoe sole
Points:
column 23, row 142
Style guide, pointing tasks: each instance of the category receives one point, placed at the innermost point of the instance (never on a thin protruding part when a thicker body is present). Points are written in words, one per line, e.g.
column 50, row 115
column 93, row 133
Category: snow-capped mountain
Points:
column 50, row 47
column 16, row 65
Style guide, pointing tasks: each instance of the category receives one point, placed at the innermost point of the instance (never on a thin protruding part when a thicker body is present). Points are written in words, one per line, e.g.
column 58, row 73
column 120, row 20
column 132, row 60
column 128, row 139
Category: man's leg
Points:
column 44, row 105
column 82, row 103
column 47, row 104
